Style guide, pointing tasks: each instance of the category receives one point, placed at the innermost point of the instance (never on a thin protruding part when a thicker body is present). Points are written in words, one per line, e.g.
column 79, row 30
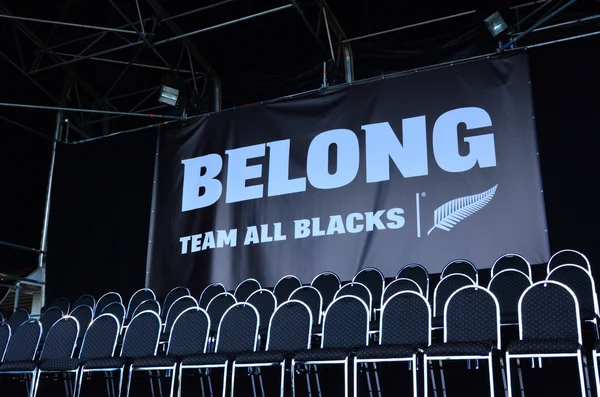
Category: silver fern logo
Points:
column 454, row 211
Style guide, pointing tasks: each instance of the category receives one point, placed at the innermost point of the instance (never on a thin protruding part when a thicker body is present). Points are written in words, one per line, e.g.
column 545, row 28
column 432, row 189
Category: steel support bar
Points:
column 414, row 25
column 26, row 128
column 145, row 127
column 20, row 247
column 536, row 25
column 152, row 116
column 220, row 25
column 76, row 25
column 208, row 7
column 575, row 21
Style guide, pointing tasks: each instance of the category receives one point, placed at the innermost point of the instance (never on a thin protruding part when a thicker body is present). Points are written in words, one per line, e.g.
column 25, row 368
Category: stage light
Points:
column 168, row 95
column 495, row 24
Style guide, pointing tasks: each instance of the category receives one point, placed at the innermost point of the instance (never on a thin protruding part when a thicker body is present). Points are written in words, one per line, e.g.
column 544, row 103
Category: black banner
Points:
column 425, row 168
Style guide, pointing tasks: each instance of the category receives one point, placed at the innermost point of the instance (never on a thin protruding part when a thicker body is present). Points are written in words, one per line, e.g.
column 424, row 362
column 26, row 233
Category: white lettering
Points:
column 374, row 220
column 336, row 225
column 196, row 240
column 264, row 234
column 184, row 244
column 209, row 241
column 225, row 238
column 395, row 217
column 251, row 236
column 279, row 170
column 351, row 225
column 302, row 228
column 238, row 172
column 348, row 159
column 278, row 235
column 193, row 180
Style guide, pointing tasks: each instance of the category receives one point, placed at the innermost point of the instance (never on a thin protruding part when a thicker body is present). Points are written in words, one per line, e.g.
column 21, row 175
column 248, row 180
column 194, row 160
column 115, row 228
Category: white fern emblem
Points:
column 448, row 215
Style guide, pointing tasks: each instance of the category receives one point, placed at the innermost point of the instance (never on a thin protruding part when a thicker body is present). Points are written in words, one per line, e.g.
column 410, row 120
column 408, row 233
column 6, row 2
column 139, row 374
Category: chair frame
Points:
column 476, row 281
column 164, row 307
column 272, row 364
column 325, row 273
column 99, row 299
column 62, row 298
column 93, row 299
column 412, row 359
column 35, row 371
column 226, row 364
column 398, row 279
column 129, row 308
column 148, row 300
column 242, row 282
column 75, row 371
column 204, row 290
column 548, row 269
column 435, row 308
column 83, row 370
column 173, row 367
column 122, row 326
column 7, row 340
column 579, row 356
column 506, row 271
column 344, row 361
column 509, row 254
column 369, row 303
column 280, row 280
column 426, row 294
column 320, row 301
column 164, row 324
column 488, row 357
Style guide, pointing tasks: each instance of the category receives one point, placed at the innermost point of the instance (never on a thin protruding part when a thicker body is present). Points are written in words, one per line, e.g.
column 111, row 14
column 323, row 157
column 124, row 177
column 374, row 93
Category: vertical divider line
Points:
column 418, row 215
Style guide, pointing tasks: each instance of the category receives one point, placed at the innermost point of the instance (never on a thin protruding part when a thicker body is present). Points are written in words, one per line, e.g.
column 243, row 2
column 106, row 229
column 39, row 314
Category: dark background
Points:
column 102, row 190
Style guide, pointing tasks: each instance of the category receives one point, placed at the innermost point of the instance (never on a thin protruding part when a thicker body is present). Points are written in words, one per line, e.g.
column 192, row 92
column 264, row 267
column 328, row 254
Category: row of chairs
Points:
column 549, row 326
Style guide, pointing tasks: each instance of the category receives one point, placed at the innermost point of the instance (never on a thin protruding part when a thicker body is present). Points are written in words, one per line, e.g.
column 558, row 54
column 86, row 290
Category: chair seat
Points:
column 437, row 322
column 263, row 357
column 63, row 364
column 15, row 366
column 156, row 361
column 509, row 318
column 205, row 359
column 460, row 349
column 387, row 351
column 543, row 346
column 101, row 363
column 322, row 355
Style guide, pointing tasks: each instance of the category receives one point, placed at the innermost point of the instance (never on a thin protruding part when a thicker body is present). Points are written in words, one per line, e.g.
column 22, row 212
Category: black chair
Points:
column 372, row 279
column 181, row 304
column 48, row 318
column 245, row 289
column 471, row 330
column 136, row 299
column 141, row 340
column 549, row 326
column 17, row 318
column 87, row 300
column 99, row 343
column 568, row 257
column 105, row 300
column 345, row 329
column 61, row 303
column 582, row 284
column 59, row 345
column 400, row 285
column 238, row 333
column 285, row 286
column 405, row 326
column 418, row 274
column 289, row 332
column 360, row 291
column 446, row 287
column 217, row 307
column 152, row 305
column 116, row 309
column 327, row 283
column 171, row 297
column 188, row 337
column 5, row 333
column 84, row 315
column 461, row 266
column 511, row 261
column 21, row 350
column 312, row 298
column 508, row 286
column 210, row 292
column 265, row 302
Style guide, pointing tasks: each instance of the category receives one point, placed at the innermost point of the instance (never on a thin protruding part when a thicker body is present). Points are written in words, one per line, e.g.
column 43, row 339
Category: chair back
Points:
column 137, row 298
column 582, row 284
column 171, row 297
column 374, row 281
column 285, row 286
column 61, row 339
column 290, row 327
column 445, row 288
column 61, row 303
column 190, row 333
column 346, row 323
column 105, row 300
column 238, row 330
column 48, row 318
column 84, row 315
column 116, row 309
column 511, row 261
column 507, row 286
column 100, row 339
column 24, row 342
column 210, row 292
column 245, row 289
column 360, row 291
column 217, row 307
column 151, row 305
column 311, row 297
column 17, row 318
column 568, row 257
column 142, row 335
column 87, row 300
column 399, row 285
column 461, row 266
column 327, row 283
column 405, row 320
column 418, row 274
column 549, row 310
column 265, row 302
column 181, row 304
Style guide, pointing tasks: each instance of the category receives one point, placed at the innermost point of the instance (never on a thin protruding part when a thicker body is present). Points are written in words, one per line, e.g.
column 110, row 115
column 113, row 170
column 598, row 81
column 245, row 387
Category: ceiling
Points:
column 276, row 48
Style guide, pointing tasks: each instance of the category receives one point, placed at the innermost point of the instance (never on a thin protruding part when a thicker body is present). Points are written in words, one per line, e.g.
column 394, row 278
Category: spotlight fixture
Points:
column 495, row 24
column 168, row 95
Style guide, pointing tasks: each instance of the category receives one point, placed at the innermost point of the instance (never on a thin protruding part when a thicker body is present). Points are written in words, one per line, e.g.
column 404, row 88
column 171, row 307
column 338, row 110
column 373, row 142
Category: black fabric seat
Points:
column 108, row 362
column 322, row 355
column 62, row 364
column 541, row 346
column 18, row 366
column 155, row 361
column 206, row 359
column 263, row 357
column 460, row 349
column 386, row 351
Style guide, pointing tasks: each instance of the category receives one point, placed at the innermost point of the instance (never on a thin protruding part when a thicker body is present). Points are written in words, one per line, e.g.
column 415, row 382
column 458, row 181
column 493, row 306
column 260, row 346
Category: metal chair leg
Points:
column 260, row 382
column 491, row 373
column 354, row 378
column 346, row 369
column 318, row 381
column 442, row 378
column 414, row 375
column 129, row 381
column 581, row 376
column 377, row 384
column 293, row 375
column 282, row 385
column 122, row 372
column 225, row 378
column 520, row 373
column 368, row 375
column 508, row 377
column 425, row 372
column 233, row 368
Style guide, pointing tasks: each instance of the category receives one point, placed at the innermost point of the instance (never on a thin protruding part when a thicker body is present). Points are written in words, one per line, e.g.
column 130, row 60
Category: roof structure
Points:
column 104, row 62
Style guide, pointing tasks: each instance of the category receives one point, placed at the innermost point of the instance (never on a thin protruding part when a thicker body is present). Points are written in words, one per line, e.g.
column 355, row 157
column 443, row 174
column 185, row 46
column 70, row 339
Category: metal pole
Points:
column 145, row 127
column 536, row 25
column 575, row 21
column 19, row 105
column 349, row 65
column 208, row 7
column 76, row 25
column 409, row 26
column 328, row 35
column 17, row 290
column 223, row 24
